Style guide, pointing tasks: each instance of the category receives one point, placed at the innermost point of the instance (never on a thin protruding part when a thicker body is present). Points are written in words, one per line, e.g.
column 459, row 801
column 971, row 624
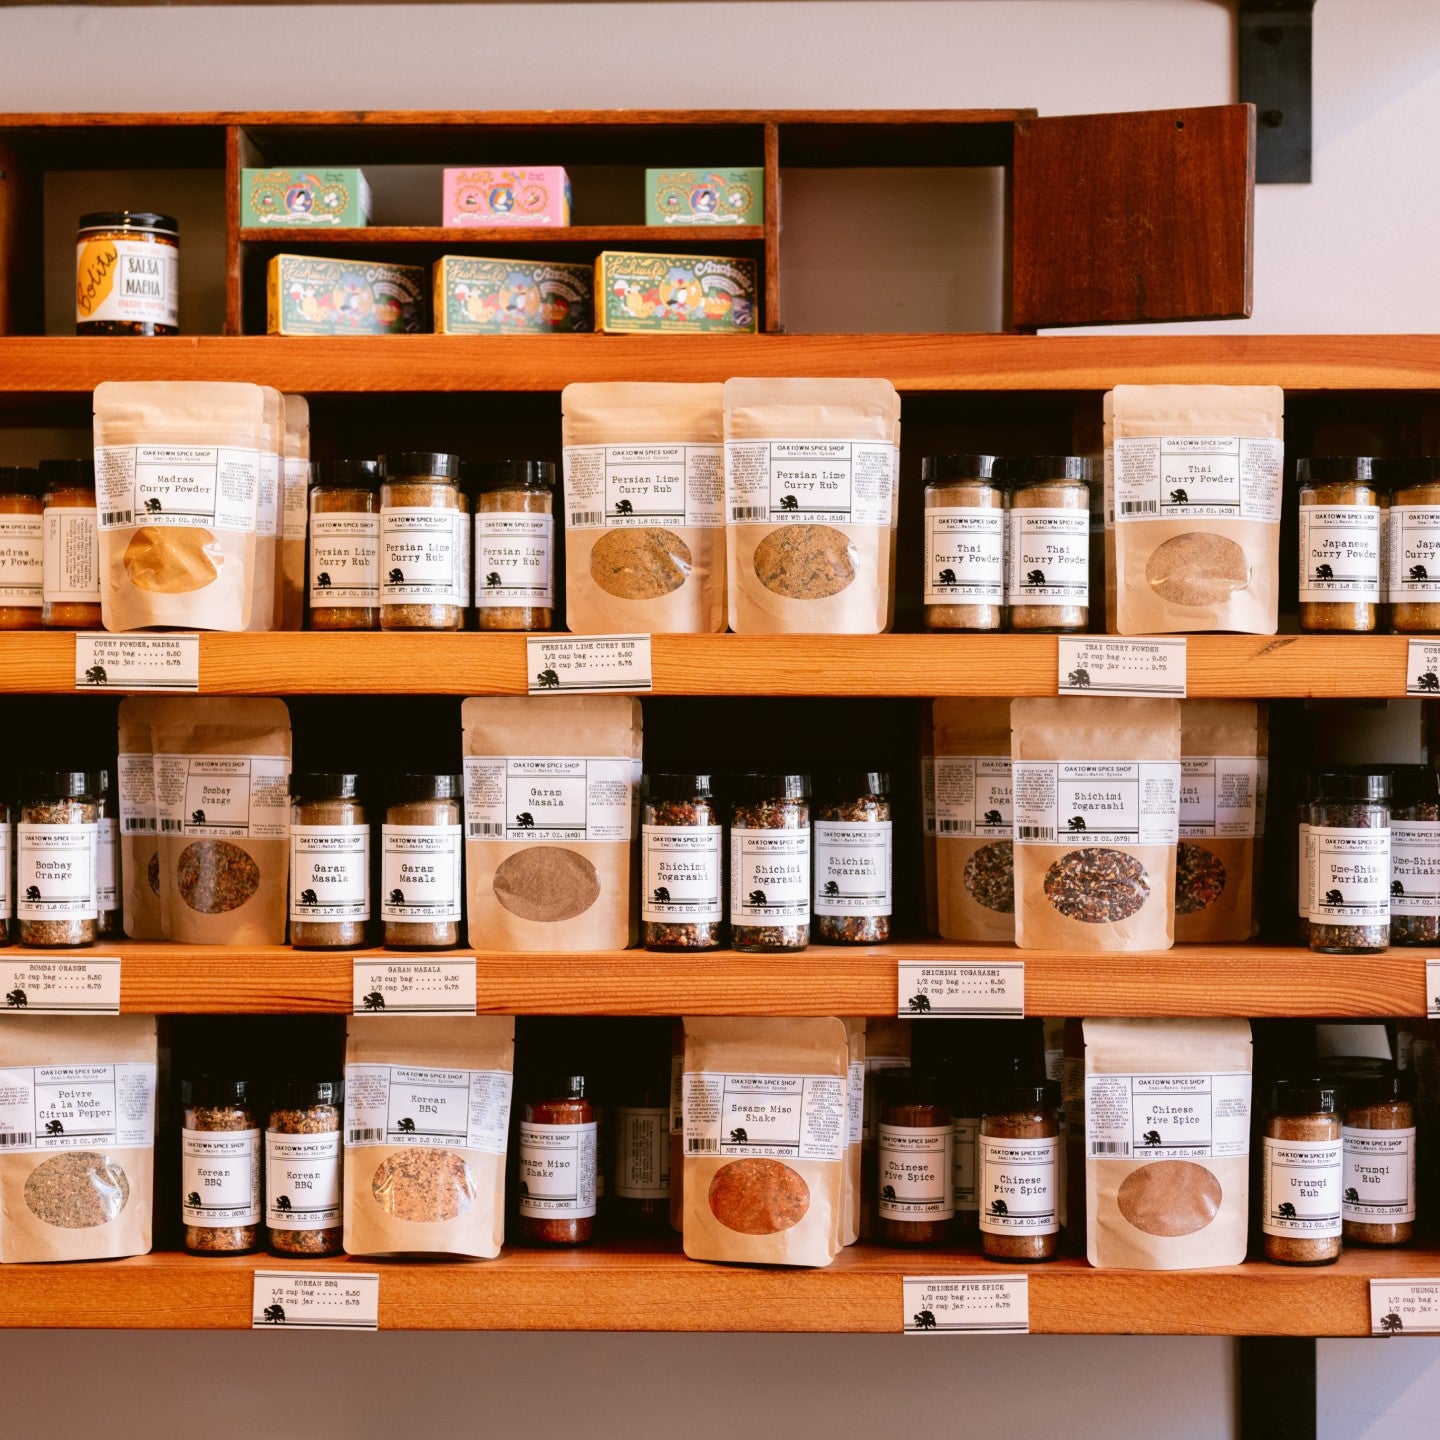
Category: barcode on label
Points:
column 749, row 512
column 586, row 517
column 1109, row 1147
column 1138, row 507
column 955, row 827
column 1034, row 832
column 137, row 823
column 118, row 517
column 702, row 1147
column 171, row 827
column 366, row 1135
column 484, row 827
column 21, row 1137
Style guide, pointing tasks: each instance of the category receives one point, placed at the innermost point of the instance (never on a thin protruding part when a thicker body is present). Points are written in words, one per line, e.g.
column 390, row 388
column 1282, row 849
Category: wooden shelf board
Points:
column 713, row 237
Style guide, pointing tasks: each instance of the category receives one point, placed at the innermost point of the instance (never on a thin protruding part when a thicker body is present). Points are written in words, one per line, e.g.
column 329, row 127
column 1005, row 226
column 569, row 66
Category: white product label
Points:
column 460, row 580
column 413, row 985
column 873, row 1065
column 1413, row 553
column 133, row 281
column 1422, row 667
column 1378, row 1183
column 137, row 662
column 974, row 796
column 295, row 480
column 826, row 482
column 967, row 989
column 329, row 872
column 72, row 557
column 927, row 795
column 242, row 797
column 587, row 665
column 852, row 868
column 964, row 556
column 1404, row 1307
column 193, row 485
column 514, row 559
column 107, row 887
column 682, row 873
column 315, row 1300
column 966, row 1305
column 302, row 1180
column 220, row 1177
column 1432, row 1012
column 1340, row 553
column 39, row 985
column 420, row 872
column 77, row 1107
column 1305, row 881
column 964, row 1172
column 1099, row 802
column 136, row 792
column 557, row 1170
column 1018, row 1186
column 1146, row 668
column 538, row 798
column 1414, row 867
column 55, row 872
column 659, row 484
column 642, row 1153
column 1219, row 797
column 1197, row 477
column 769, row 876
column 1049, row 559
column 22, row 561
column 344, row 559
column 267, row 500
column 677, row 1094
column 417, row 555
column 407, row 1105
column 855, row 1102
column 1301, row 1187
column 1349, row 875
column 1170, row 1117
column 788, row 1117
column 916, row 1164
column 1262, row 791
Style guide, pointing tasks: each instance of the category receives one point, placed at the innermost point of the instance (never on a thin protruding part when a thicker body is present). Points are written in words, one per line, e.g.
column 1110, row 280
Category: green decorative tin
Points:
column 304, row 197
column 704, row 197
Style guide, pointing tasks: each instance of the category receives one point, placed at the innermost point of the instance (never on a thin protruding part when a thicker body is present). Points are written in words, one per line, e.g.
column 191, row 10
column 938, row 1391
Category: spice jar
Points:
column 344, row 545
column 7, row 862
column 419, row 559
column 127, row 274
column 1377, row 1188
column 852, row 858
column 1339, row 544
column 682, row 900
column 1412, row 541
column 22, row 549
column 1047, row 585
column 1349, row 849
column 72, row 546
column 965, row 1123
column 1414, row 855
column 107, row 855
column 1301, row 1168
column 219, row 1166
column 642, row 1150
column 915, row 1143
column 1019, row 1168
column 514, row 544
column 329, row 862
column 558, row 1146
column 55, row 845
column 1304, row 861
column 421, row 895
column 303, row 1158
column 964, row 543
column 770, row 862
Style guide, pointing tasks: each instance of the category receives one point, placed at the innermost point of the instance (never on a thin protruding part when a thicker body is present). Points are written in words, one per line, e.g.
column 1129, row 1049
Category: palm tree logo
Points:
column 925, row 1320
column 54, row 1127
column 17, row 1000
column 322, row 580
column 1391, row 1324
column 193, row 1199
column 789, row 502
column 374, row 1001
column 274, row 1314
column 999, row 1207
column 1352, row 1195
column 832, row 887
column 919, row 1004
column 406, row 1126
column 739, row 1137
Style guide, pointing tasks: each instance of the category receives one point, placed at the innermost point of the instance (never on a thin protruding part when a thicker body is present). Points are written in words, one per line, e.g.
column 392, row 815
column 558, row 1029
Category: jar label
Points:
column 964, row 1160
column 657, row 484
column 1413, row 553
column 22, row 561
column 852, row 868
column 329, row 873
column 240, row 797
column 769, row 876
column 1349, row 875
column 786, row 1117
column 55, row 871
column 1167, row 1117
column 1340, row 553
column 420, row 873
column 1219, row 797
column 1378, row 1184
column 417, row 555
column 524, row 797
column 72, row 557
column 187, row 485
column 1049, row 561
column 461, row 583
column 344, row 559
column 1301, row 1187
column 127, row 280
column 964, row 555
column 295, row 492
column 1018, row 1186
column 514, row 559
column 916, row 1164
column 557, row 1171
column 7, row 911
column 1305, row 881
column 815, row 482
column 642, row 1153
column 974, row 797
column 1197, row 477
column 681, row 876
column 1415, row 867
column 267, row 498
column 927, row 795
column 302, row 1180
column 407, row 1105
column 77, row 1107
column 107, row 886
column 135, row 787
column 220, row 1177
column 1097, row 802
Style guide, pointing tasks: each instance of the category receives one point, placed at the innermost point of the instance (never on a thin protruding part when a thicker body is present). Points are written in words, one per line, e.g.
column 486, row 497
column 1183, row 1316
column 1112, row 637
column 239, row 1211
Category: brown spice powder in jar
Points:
column 964, row 553
column 220, row 1181
column 1340, row 557
column 682, row 899
column 1412, row 484
column 420, row 884
column 77, row 1190
column 1301, row 1170
column 1047, row 585
column 109, row 916
column 514, row 558
column 1377, row 1198
column 303, row 1176
column 558, row 1163
column 55, row 845
column 1019, row 1184
column 22, row 541
column 72, row 546
column 1349, row 883
column 329, row 862
column 852, row 841
column 419, row 566
column 914, row 1200
column 770, row 872
column 343, row 547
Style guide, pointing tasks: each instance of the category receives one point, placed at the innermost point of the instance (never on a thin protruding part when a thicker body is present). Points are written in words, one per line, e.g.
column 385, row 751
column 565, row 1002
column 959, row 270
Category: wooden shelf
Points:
column 466, row 237
column 649, row 1286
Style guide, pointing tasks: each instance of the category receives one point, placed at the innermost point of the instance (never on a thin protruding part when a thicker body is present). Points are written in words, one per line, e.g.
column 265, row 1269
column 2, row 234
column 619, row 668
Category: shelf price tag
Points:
column 587, row 664
column 315, row 1300
column 962, row 989
column 59, row 985
column 1404, row 1307
column 413, row 985
column 1432, row 989
column 967, row 1304
column 1092, row 665
column 168, row 663
column 1422, row 667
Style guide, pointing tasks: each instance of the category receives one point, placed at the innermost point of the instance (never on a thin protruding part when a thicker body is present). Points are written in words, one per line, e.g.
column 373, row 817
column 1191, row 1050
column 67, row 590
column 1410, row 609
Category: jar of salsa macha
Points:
column 127, row 274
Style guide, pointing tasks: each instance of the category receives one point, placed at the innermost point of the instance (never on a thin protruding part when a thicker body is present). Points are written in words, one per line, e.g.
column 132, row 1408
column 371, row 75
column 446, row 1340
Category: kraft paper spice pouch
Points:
column 811, row 503
column 427, row 1117
column 855, row 1129
column 177, row 479
column 764, row 1184
column 294, row 510
column 265, row 589
column 77, row 1137
column 644, row 508
column 551, row 814
column 475, row 296
column 139, row 830
column 1167, row 1143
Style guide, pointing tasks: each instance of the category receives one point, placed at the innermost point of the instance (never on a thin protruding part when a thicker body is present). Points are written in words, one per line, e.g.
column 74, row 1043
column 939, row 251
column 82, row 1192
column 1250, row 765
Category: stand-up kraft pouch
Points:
column 855, row 1128
column 295, row 498
column 812, row 500
column 265, row 588
column 139, row 829
column 177, row 478
column 644, row 508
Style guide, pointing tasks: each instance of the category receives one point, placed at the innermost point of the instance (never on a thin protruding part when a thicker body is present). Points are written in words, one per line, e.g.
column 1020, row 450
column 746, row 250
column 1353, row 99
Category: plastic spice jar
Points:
column 55, row 843
column 514, row 544
column 558, row 1152
column 22, row 548
column 127, row 274
column 1414, row 855
column 770, row 862
column 219, row 1166
column 1048, row 575
column 1377, row 1188
column 965, row 1121
column 682, row 899
column 852, row 858
column 420, row 563
column 1349, row 863
column 1019, row 1165
column 343, row 560
column 421, row 898
column 107, row 859
column 303, row 1159
column 329, row 862
column 1339, row 544
column 641, row 1126
column 1412, row 549
column 1300, row 1172
column 915, row 1148
column 1303, row 860
column 72, row 546
column 964, row 543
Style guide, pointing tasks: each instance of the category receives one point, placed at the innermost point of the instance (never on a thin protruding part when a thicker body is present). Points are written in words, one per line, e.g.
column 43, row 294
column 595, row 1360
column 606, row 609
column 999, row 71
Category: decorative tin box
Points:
column 474, row 296
column 494, row 195
column 307, row 295
column 304, row 197
column 704, row 197
column 674, row 293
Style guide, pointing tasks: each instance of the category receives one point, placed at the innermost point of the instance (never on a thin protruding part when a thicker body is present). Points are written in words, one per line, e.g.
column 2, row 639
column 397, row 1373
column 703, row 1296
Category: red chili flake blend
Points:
column 1096, row 885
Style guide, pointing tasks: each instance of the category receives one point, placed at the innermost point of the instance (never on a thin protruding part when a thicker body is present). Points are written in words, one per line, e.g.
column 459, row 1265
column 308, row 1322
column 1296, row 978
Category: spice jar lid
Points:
column 1376, row 1087
column 1330, row 469
column 488, row 475
column 67, row 475
column 909, row 1087
column 356, row 474
column 1314, row 1095
column 1006, row 1097
column 214, row 1090
column 432, row 464
column 556, row 1085
column 325, row 785
column 67, row 784
column 1411, row 469
column 423, row 787
column 842, row 784
column 1351, row 785
column 129, row 220
column 1023, row 469
column 19, row 480
column 768, row 785
column 956, row 467
column 1414, row 785
column 676, row 785
column 102, row 781
column 291, row 1092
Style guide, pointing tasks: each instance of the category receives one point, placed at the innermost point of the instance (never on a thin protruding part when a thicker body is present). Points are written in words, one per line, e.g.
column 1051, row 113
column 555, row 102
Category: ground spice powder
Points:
column 1301, row 1168
column 757, row 1196
column 1018, row 1162
column 546, row 883
column 22, row 541
column 1378, row 1187
column 77, row 1190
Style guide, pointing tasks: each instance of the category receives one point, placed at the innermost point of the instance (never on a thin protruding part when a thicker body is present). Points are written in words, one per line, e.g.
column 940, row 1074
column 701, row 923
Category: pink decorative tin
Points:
column 495, row 195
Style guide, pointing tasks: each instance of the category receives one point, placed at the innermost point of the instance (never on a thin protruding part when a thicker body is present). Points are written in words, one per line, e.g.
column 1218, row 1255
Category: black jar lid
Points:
column 676, row 785
column 215, row 1090
column 1381, row 1086
column 129, row 220
column 409, row 786
column 936, row 468
column 424, row 464
column 19, row 480
column 491, row 475
column 555, row 1085
column 67, row 475
column 905, row 1086
column 768, row 785
column 351, row 474
column 325, row 785
column 294, row 1092
column 1350, row 785
column 62, row 784
column 1414, row 785
column 1314, row 1095
column 1010, row 1097
column 1026, row 469
column 1408, row 470
column 1335, row 470
column 845, row 784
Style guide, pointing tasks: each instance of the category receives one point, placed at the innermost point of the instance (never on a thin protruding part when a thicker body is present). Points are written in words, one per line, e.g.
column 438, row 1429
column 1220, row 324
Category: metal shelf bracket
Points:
column 1275, row 77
